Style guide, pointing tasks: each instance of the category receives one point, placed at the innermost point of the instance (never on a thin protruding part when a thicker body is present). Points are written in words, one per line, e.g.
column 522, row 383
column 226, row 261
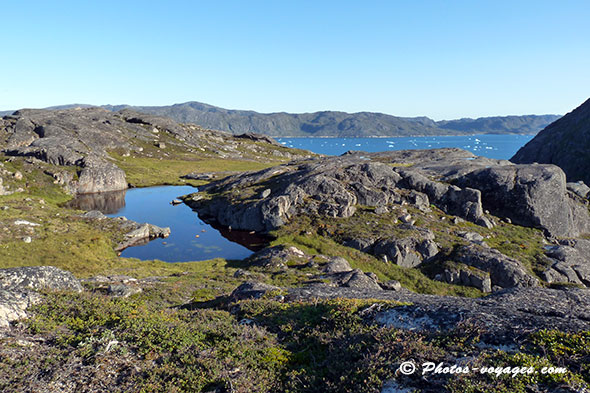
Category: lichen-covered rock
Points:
column 251, row 289
column 359, row 280
column 14, row 304
column 579, row 188
column 504, row 271
column 18, row 286
column 337, row 265
column 571, row 262
column 502, row 317
column 276, row 257
column 531, row 196
column 468, row 276
column 331, row 187
column 38, row 277
column 406, row 252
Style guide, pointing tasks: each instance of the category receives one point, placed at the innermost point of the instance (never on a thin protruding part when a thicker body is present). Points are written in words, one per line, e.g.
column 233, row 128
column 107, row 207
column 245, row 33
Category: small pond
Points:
column 190, row 239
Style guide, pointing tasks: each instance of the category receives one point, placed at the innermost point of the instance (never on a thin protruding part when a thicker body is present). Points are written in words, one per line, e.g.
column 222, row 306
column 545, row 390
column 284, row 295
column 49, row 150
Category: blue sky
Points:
column 442, row 59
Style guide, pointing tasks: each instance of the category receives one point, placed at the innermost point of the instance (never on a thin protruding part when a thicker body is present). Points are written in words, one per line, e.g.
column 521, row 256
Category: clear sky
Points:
column 442, row 59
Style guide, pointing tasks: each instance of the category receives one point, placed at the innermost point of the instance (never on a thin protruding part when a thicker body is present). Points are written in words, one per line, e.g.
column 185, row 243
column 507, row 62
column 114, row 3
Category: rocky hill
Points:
column 91, row 143
column 565, row 143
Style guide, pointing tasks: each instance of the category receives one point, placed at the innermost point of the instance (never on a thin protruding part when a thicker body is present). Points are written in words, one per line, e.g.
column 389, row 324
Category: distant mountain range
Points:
column 334, row 124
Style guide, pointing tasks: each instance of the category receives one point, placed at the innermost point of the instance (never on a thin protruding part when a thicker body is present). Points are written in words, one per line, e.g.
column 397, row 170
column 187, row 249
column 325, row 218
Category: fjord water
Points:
column 487, row 145
column 190, row 239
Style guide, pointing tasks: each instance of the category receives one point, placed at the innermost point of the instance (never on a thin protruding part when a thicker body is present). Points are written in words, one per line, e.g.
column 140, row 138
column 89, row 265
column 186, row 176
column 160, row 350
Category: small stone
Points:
column 391, row 285
column 18, row 176
column 381, row 210
column 122, row 290
column 337, row 265
column 265, row 193
column 27, row 239
column 405, row 218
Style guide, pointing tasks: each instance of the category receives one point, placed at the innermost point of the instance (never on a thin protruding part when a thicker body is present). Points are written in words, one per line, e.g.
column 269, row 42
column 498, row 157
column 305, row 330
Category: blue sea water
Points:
column 487, row 145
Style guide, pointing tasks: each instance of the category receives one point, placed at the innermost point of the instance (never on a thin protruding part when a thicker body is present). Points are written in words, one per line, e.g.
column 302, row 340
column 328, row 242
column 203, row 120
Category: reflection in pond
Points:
column 105, row 202
column 190, row 240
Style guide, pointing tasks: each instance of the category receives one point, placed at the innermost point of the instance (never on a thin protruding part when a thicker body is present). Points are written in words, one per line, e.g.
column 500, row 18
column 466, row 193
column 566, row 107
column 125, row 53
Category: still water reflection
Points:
column 190, row 240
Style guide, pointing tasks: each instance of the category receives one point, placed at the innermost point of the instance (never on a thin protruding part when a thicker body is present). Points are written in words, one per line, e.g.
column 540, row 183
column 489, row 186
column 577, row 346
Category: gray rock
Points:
column 579, row 188
column 471, row 277
column 337, row 265
column 257, row 137
column 140, row 234
column 276, row 257
column 123, row 290
column 37, row 278
column 99, row 176
column 409, row 251
column 359, row 280
column 504, row 271
column 530, row 195
column 14, row 304
column 564, row 143
column 503, row 317
column 18, row 286
column 392, row 285
column 381, row 210
column 471, row 236
column 251, row 289
column 571, row 263
column 94, row 215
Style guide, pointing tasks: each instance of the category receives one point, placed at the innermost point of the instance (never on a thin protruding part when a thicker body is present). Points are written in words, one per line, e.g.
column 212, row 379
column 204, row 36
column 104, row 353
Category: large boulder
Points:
column 505, row 272
column 37, row 278
column 530, row 195
column 101, row 177
column 408, row 251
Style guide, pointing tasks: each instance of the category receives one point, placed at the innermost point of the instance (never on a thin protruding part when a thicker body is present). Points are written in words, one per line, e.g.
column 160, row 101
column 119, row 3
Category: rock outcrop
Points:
column 504, row 272
column 570, row 262
column 565, row 143
column 530, row 195
column 332, row 187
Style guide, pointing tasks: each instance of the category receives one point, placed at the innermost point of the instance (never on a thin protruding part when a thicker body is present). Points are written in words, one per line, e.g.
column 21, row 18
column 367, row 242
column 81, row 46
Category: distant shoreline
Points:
column 391, row 136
